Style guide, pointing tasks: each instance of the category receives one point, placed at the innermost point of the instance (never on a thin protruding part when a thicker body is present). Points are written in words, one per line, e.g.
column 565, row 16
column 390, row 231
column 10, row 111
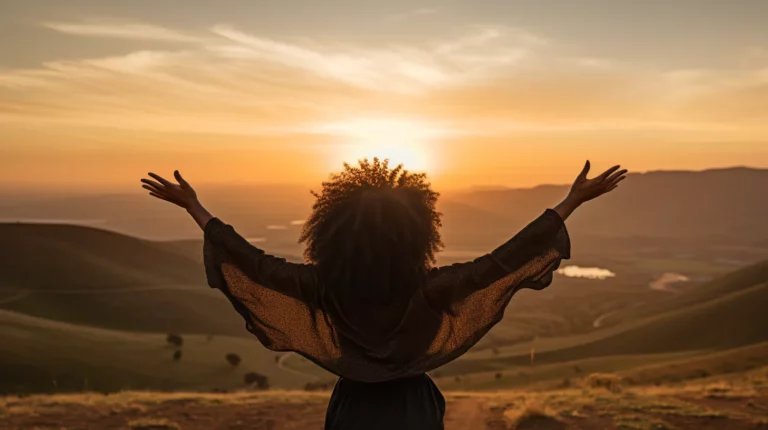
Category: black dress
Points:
column 406, row 403
column 381, row 350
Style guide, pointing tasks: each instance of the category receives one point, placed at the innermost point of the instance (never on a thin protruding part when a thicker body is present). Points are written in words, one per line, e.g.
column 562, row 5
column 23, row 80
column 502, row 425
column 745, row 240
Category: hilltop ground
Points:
column 597, row 402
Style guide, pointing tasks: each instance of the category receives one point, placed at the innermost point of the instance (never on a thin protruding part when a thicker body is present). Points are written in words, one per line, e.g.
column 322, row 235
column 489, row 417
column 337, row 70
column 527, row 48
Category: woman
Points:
column 369, row 306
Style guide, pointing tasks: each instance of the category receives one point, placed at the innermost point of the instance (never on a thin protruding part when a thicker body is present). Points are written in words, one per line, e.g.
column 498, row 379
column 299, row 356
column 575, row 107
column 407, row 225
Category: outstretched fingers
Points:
column 160, row 179
column 616, row 175
column 604, row 175
column 153, row 184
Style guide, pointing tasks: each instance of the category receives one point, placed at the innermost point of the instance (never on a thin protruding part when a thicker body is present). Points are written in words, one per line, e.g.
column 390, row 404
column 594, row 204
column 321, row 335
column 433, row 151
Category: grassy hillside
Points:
column 50, row 257
column 734, row 318
column 99, row 278
column 81, row 306
column 732, row 282
column 39, row 355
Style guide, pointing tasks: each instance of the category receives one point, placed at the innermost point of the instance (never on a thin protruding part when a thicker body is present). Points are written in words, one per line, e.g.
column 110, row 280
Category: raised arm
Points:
column 467, row 299
column 527, row 259
column 181, row 194
column 228, row 256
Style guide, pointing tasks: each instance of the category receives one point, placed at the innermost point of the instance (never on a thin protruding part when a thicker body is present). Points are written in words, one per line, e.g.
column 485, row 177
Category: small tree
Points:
column 257, row 379
column 233, row 359
column 609, row 381
column 174, row 339
column 177, row 355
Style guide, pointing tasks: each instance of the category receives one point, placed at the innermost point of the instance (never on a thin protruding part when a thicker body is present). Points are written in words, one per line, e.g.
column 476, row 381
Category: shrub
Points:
column 532, row 416
column 177, row 355
column 257, row 379
column 233, row 359
column 608, row 381
column 174, row 339
column 498, row 375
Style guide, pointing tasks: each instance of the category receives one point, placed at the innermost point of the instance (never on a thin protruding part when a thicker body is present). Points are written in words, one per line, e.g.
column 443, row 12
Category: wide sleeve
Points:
column 469, row 298
column 278, row 299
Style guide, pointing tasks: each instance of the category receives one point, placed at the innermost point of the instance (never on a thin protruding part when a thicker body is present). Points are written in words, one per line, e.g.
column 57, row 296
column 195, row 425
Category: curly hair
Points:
column 373, row 225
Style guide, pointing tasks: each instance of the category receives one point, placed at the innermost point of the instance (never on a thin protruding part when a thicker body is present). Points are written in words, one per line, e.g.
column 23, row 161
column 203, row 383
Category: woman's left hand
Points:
column 181, row 194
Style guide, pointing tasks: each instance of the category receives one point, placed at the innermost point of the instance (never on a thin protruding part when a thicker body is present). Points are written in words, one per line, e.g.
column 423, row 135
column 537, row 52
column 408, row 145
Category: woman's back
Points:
column 370, row 307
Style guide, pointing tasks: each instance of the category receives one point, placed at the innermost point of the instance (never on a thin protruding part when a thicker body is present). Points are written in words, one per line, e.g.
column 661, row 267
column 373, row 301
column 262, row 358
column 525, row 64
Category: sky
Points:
column 95, row 93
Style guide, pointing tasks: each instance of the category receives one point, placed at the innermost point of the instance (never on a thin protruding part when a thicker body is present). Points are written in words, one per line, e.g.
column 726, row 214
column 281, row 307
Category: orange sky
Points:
column 96, row 102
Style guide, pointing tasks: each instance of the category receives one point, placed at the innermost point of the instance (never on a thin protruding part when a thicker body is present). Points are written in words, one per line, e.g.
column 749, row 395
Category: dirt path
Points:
column 281, row 366
column 662, row 283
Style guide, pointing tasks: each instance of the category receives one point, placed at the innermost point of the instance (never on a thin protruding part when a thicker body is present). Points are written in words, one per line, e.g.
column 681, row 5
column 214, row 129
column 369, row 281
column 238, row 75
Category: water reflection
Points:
column 585, row 272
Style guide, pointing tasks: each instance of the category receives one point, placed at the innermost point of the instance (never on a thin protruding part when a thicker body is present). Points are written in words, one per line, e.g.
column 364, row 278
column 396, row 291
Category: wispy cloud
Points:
column 409, row 69
column 121, row 31
column 485, row 79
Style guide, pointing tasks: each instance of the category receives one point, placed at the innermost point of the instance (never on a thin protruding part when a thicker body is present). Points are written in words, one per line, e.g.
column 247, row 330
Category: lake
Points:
column 585, row 272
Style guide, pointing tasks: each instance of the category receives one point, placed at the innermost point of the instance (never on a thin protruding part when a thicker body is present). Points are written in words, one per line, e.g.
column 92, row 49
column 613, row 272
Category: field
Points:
column 105, row 330
column 595, row 402
column 98, row 315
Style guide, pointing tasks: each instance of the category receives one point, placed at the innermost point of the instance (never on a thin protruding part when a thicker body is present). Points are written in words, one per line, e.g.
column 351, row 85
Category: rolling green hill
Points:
column 39, row 355
column 81, row 307
column 727, row 313
column 50, row 257
column 735, row 281
column 93, row 277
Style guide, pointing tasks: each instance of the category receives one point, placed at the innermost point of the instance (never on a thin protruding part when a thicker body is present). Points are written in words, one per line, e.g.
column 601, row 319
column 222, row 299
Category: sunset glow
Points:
column 498, row 95
column 410, row 143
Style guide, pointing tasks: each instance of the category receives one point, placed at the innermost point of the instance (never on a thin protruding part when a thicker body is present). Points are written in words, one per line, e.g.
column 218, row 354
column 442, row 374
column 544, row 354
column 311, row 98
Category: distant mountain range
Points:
column 723, row 206
column 717, row 206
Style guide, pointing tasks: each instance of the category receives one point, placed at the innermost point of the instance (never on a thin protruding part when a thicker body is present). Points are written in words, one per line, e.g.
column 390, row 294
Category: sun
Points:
column 406, row 142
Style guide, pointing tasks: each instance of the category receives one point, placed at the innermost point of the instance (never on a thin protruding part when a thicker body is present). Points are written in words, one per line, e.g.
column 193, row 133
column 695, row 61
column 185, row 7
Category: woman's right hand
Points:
column 584, row 189
column 181, row 194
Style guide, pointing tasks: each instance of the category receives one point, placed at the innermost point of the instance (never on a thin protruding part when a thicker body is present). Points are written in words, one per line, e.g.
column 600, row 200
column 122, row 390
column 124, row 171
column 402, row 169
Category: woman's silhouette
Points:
column 369, row 306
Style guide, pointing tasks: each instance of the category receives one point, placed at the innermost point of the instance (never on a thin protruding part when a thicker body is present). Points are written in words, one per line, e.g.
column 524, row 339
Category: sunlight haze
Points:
column 510, row 93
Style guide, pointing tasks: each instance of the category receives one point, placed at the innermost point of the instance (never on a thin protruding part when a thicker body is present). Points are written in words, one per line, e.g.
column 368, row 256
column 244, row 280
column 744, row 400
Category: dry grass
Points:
column 738, row 403
column 153, row 424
